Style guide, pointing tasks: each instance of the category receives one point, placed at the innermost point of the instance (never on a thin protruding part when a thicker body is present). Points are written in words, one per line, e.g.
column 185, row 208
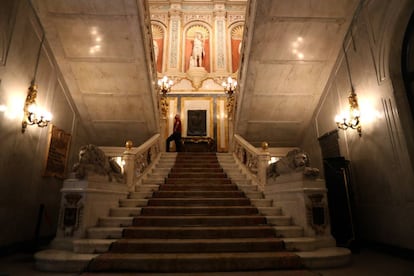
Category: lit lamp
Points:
column 350, row 118
column 164, row 86
column 33, row 115
column 230, row 88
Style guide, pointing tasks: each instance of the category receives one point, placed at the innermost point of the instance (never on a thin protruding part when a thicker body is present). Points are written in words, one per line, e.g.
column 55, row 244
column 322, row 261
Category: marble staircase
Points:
column 225, row 213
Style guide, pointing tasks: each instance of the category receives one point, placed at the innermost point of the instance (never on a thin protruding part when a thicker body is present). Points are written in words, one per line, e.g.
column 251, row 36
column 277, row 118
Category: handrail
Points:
column 136, row 160
column 254, row 161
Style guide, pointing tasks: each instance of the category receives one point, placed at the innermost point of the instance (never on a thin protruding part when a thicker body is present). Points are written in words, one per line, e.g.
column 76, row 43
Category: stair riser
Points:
column 197, row 175
column 197, row 181
column 199, row 202
column 176, row 222
column 194, row 247
column 211, row 211
column 197, row 170
column 191, row 187
column 223, row 194
column 139, row 233
column 133, row 202
column 211, row 264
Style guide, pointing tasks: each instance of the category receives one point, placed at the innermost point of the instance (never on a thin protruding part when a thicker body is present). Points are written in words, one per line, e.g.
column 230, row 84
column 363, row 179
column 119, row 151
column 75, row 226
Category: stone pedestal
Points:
column 197, row 75
column 82, row 203
column 302, row 198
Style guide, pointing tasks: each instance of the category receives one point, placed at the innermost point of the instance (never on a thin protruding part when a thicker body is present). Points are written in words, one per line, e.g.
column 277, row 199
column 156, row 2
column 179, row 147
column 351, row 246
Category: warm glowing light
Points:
column 368, row 112
column 300, row 39
column 300, row 55
column 3, row 108
column 98, row 39
column 229, row 86
column 94, row 30
column 165, row 85
column 351, row 117
column 273, row 159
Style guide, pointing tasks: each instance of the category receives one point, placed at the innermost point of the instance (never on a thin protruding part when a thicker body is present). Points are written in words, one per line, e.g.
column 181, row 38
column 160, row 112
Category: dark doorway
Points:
column 407, row 63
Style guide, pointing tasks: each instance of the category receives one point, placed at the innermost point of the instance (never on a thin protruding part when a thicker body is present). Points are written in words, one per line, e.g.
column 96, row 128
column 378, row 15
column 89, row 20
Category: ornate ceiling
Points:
column 103, row 50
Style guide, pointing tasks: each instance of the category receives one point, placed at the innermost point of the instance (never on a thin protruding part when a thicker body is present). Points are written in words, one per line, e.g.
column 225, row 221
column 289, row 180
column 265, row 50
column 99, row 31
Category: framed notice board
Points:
column 57, row 153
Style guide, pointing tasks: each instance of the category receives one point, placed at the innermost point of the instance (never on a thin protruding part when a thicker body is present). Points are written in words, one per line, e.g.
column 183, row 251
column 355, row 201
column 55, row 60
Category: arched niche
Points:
column 158, row 36
column 193, row 33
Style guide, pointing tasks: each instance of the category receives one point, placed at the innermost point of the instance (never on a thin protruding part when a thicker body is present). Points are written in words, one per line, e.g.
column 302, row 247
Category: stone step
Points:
column 270, row 211
column 199, row 165
column 219, row 220
column 133, row 202
column 104, row 232
column 196, row 170
column 262, row 202
column 196, row 245
column 279, row 220
column 254, row 194
column 115, row 221
column 200, row 232
column 198, row 194
column 246, row 187
column 199, row 202
column 290, row 231
column 325, row 257
column 153, row 181
column 144, row 188
column 197, row 175
column 141, row 195
column 189, row 262
column 124, row 211
column 198, row 187
column 92, row 246
column 197, row 181
column 198, row 210
column 308, row 243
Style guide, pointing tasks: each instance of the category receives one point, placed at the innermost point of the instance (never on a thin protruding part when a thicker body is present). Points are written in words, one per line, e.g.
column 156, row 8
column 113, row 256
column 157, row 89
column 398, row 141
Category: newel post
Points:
column 129, row 166
column 263, row 162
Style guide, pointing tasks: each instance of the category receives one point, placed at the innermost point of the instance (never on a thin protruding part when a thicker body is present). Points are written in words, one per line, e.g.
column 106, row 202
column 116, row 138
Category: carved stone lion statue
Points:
column 93, row 159
column 295, row 161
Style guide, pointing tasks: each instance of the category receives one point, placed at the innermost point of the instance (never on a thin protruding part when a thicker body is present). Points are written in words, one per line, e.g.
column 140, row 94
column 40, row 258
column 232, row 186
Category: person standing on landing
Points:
column 176, row 135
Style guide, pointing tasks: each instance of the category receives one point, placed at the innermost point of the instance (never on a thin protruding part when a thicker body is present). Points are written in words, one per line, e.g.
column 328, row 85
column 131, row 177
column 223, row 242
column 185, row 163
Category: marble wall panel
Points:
column 95, row 37
column 289, row 78
column 307, row 8
column 102, row 107
column 316, row 40
column 114, row 78
column 281, row 108
column 115, row 134
column 96, row 7
column 277, row 134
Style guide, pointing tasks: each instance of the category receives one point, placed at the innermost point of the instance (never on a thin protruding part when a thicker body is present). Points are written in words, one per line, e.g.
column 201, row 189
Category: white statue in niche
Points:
column 156, row 50
column 197, row 55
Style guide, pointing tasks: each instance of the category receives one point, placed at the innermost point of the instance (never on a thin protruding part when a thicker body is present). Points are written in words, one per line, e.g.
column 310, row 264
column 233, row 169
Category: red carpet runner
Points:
column 198, row 221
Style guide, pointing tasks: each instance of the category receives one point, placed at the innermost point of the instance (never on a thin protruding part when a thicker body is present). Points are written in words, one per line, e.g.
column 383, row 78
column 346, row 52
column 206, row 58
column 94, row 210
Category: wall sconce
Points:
column 164, row 85
column 32, row 114
column 230, row 88
column 351, row 117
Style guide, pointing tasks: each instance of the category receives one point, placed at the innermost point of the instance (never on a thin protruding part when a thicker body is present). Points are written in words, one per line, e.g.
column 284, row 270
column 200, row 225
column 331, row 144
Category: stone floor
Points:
column 366, row 263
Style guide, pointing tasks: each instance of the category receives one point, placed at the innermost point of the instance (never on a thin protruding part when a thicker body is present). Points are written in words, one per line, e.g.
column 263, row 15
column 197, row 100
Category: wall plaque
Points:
column 57, row 153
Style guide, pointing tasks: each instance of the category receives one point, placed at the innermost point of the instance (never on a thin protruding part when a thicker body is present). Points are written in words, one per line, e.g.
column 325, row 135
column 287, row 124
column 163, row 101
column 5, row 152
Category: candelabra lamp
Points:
column 230, row 88
column 351, row 117
column 33, row 115
column 164, row 85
